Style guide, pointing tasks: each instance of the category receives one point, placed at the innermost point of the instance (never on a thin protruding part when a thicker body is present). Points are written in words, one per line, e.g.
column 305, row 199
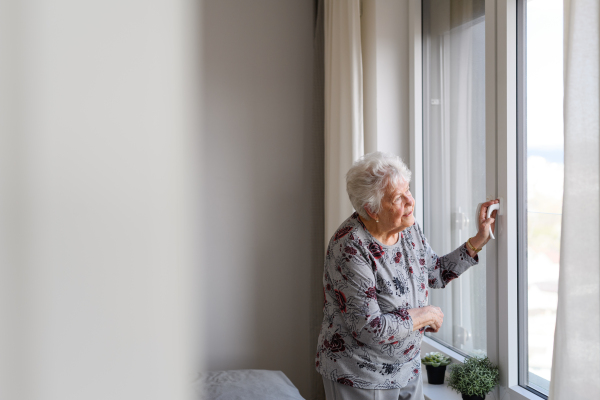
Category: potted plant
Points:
column 435, row 363
column 475, row 378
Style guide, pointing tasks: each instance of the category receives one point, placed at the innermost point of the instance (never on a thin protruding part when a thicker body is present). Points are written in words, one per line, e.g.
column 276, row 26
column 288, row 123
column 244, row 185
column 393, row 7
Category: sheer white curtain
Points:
column 466, row 176
column 576, row 359
column 344, row 133
column 454, row 155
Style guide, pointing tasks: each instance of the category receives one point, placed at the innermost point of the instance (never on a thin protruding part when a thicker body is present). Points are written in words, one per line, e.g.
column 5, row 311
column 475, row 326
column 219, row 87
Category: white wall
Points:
column 97, row 198
column 263, row 191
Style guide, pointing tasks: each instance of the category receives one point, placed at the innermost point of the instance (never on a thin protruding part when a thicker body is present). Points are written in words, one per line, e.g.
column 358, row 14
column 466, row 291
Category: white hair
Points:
column 368, row 178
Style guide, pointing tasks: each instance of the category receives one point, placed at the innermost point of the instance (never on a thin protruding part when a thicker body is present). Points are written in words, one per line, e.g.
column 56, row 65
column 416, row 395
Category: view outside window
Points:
column 544, row 179
column 454, row 158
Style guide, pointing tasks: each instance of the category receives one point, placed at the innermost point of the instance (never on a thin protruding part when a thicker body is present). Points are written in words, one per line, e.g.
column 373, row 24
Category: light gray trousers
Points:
column 338, row 391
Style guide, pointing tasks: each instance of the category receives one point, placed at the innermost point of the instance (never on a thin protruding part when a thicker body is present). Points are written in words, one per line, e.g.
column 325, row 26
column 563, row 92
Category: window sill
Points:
column 443, row 392
column 439, row 392
column 519, row 393
column 428, row 345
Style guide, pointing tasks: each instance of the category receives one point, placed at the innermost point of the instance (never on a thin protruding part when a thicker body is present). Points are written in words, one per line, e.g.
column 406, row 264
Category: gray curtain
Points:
column 318, row 168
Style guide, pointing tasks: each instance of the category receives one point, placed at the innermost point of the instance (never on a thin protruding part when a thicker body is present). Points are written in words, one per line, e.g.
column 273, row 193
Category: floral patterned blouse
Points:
column 367, row 339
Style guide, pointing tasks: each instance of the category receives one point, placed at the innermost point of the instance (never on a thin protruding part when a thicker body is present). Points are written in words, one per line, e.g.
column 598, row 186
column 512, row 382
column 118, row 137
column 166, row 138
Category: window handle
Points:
column 489, row 214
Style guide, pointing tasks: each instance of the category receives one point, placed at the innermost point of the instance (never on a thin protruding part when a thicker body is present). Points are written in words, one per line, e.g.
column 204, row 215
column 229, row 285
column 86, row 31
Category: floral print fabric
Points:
column 367, row 339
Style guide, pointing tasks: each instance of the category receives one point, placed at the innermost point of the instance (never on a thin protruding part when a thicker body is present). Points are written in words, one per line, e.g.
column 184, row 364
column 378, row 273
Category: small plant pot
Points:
column 435, row 375
column 467, row 397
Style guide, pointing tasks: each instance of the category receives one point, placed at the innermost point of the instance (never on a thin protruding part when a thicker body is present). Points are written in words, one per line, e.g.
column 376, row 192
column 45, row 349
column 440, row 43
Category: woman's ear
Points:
column 371, row 215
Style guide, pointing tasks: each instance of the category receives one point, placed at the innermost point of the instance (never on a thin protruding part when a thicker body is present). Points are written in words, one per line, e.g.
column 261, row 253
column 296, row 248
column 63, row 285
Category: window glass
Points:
column 454, row 158
column 543, row 175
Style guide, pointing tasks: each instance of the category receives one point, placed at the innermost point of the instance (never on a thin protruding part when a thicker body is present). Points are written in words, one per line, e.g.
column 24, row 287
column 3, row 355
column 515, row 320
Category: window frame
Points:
column 524, row 373
column 502, row 275
column 522, row 190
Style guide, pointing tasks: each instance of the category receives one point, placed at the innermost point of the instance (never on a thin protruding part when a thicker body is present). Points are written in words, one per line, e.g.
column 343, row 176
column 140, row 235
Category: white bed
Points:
column 246, row 384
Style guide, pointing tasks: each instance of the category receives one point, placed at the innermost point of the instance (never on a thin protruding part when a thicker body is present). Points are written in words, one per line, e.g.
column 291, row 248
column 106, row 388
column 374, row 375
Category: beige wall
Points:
column 263, row 191
column 264, row 187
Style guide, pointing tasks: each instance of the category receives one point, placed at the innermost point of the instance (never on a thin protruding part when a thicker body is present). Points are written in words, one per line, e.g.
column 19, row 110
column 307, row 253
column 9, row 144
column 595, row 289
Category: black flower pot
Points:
column 435, row 375
column 474, row 397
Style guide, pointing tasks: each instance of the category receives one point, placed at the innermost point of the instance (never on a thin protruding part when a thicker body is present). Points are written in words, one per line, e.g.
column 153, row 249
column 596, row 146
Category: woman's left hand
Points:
column 484, row 223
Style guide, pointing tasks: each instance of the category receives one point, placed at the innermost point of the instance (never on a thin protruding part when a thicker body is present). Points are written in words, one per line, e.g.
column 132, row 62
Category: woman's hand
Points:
column 484, row 223
column 437, row 318
column 430, row 316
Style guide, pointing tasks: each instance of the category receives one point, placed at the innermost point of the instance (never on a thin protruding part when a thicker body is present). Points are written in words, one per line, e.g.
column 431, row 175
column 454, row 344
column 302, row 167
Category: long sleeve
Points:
column 442, row 270
column 367, row 338
column 350, row 292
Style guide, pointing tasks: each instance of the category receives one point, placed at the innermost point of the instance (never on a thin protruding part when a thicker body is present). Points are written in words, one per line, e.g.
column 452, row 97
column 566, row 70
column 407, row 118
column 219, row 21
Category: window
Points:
column 454, row 148
column 541, row 171
column 486, row 124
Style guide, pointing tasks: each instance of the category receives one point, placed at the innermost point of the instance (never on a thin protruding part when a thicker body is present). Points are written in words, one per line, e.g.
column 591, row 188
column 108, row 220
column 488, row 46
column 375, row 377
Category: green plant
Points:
column 475, row 377
column 435, row 359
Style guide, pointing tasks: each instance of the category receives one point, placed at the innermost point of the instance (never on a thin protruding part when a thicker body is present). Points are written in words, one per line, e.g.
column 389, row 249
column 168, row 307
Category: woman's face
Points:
column 397, row 207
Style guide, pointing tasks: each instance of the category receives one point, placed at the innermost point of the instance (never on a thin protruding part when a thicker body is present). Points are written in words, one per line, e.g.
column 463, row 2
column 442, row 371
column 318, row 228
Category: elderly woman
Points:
column 378, row 271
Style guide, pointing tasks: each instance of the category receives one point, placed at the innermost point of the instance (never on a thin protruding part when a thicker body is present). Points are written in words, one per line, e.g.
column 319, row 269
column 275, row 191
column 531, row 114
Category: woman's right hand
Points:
column 429, row 316
column 437, row 318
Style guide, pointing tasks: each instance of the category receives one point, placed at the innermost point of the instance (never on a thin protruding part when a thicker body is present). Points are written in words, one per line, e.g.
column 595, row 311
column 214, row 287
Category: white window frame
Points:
column 501, row 166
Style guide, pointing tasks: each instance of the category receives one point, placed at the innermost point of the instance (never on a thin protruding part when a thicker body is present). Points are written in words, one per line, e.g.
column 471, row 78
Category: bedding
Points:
column 246, row 384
